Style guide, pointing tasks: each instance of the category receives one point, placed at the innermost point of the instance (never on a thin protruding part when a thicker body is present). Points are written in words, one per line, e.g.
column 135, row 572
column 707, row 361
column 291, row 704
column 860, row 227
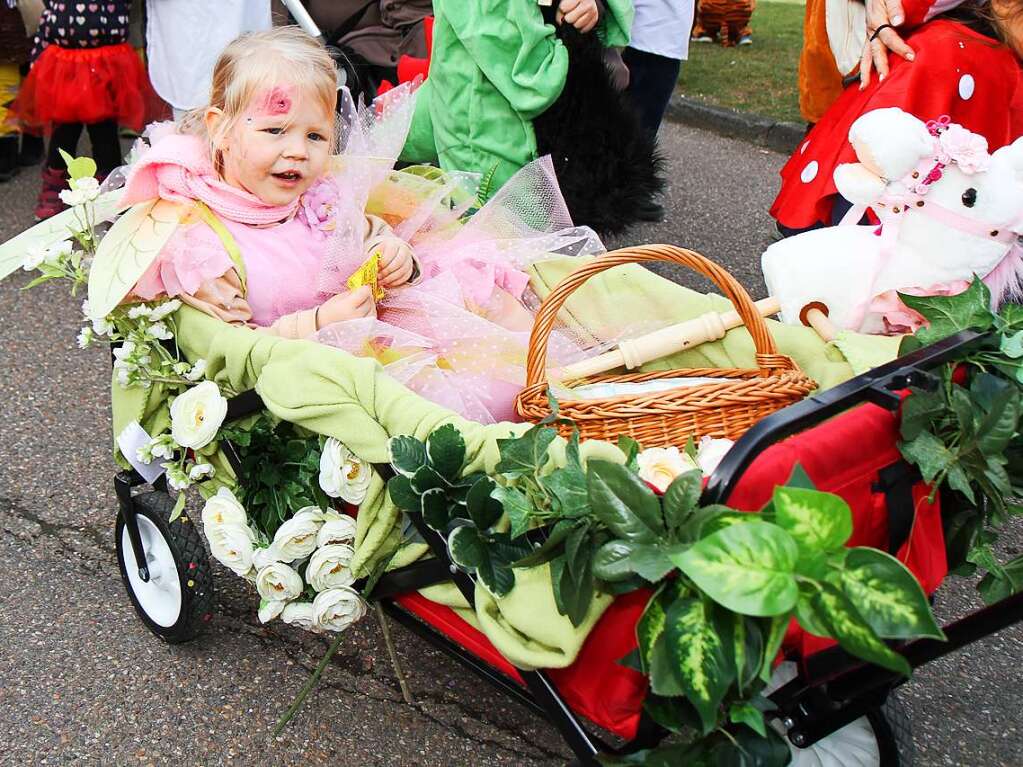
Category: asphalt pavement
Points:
column 82, row 681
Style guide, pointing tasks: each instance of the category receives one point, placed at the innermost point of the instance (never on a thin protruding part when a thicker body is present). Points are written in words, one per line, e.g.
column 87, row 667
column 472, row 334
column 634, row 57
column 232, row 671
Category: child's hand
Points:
column 581, row 14
column 395, row 263
column 347, row 306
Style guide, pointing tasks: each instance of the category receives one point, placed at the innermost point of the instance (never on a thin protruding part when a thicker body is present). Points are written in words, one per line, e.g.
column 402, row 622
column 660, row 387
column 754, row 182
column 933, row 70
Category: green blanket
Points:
column 331, row 392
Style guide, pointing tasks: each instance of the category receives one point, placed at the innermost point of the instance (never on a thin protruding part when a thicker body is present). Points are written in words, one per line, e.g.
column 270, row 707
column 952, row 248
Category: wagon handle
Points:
column 768, row 359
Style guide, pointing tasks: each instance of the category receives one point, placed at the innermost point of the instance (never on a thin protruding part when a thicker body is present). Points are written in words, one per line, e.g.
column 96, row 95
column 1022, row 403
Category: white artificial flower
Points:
column 277, row 581
column 56, row 252
column 145, row 453
column 300, row 614
column 199, row 471
column 296, row 538
column 180, row 368
column 124, row 378
column 161, row 448
column 160, row 331
column 710, row 452
column 34, row 257
column 337, row 609
column 139, row 310
column 232, row 545
column 337, row 528
column 73, row 197
column 85, row 307
column 661, row 465
column 223, row 508
column 197, row 414
column 330, row 567
column 125, row 350
column 85, row 338
column 164, row 309
column 342, row 474
column 89, row 187
column 264, row 557
column 102, row 326
column 176, row 478
column 268, row 610
column 198, row 370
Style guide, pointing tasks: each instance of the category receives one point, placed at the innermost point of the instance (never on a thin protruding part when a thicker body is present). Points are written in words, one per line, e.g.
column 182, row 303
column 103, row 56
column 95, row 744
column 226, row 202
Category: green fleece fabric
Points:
column 495, row 67
column 331, row 392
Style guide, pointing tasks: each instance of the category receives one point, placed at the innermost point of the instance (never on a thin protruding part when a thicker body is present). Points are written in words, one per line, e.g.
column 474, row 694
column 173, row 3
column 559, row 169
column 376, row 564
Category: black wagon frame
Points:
column 832, row 688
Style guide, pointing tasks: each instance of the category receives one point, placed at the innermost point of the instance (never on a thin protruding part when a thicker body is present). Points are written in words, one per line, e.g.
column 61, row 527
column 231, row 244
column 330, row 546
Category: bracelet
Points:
column 877, row 31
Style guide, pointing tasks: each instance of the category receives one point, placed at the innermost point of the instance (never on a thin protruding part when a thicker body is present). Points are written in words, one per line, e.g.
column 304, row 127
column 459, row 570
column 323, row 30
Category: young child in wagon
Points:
column 265, row 245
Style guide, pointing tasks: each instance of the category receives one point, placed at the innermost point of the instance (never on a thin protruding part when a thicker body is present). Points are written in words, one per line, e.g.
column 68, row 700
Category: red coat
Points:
column 971, row 78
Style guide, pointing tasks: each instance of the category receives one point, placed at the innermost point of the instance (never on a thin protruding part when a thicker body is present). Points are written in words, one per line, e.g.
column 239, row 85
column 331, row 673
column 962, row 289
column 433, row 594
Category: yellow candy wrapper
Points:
column 367, row 275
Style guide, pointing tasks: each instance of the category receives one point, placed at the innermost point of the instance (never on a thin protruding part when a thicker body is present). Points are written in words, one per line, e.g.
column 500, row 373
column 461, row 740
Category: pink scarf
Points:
column 178, row 168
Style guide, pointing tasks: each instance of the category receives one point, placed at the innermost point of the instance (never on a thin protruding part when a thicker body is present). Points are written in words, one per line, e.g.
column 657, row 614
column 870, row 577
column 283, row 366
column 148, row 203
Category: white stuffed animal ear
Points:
column 890, row 142
column 858, row 184
column 1014, row 153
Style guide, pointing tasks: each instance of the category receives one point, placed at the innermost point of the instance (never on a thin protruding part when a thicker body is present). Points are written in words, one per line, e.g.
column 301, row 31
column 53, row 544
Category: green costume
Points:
column 495, row 67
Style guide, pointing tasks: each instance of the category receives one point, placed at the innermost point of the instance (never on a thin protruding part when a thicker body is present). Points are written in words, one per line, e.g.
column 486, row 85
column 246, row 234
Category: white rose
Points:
column 270, row 610
column 710, row 452
column 296, row 538
column 222, row 509
column 197, row 414
column 337, row 609
column 661, row 465
column 338, row 528
column 277, row 581
column 329, row 567
column 300, row 614
column 342, row 474
column 264, row 557
column 232, row 546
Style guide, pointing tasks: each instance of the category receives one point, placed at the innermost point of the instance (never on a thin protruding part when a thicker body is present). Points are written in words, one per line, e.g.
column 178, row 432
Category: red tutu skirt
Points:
column 86, row 85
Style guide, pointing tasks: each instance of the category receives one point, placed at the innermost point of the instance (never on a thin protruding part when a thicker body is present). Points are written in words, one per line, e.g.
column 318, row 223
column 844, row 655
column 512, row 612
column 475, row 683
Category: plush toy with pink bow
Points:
column 948, row 210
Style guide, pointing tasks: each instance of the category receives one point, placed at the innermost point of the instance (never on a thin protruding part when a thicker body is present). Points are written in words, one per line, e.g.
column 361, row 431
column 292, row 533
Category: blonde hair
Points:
column 256, row 62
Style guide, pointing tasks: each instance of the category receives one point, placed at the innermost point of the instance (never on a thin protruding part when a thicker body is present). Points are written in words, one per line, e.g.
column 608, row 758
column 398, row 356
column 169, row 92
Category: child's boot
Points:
column 8, row 157
column 31, row 150
column 49, row 203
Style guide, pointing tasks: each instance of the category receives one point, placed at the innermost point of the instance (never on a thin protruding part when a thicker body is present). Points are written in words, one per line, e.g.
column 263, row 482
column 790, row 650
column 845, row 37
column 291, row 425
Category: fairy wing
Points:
column 127, row 250
column 53, row 230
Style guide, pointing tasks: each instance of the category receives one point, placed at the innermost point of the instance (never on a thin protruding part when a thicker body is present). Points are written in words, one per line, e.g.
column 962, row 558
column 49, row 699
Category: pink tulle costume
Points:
column 457, row 335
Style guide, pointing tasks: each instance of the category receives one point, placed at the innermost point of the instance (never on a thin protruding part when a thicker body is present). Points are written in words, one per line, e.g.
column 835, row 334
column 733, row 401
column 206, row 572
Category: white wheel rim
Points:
column 160, row 596
column 855, row 745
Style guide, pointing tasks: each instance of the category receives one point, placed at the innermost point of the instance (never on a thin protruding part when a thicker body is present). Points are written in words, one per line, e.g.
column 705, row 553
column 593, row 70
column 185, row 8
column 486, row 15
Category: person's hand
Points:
column 581, row 14
column 395, row 263
column 352, row 305
column 875, row 51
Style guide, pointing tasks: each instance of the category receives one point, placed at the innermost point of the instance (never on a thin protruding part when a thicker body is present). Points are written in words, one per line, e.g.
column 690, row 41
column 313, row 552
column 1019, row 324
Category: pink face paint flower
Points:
column 318, row 205
column 967, row 150
column 275, row 102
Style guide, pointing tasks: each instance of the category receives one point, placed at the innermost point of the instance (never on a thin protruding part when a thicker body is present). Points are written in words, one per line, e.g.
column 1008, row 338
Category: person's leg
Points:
column 32, row 147
column 652, row 80
column 106, row 146
column 65, row 136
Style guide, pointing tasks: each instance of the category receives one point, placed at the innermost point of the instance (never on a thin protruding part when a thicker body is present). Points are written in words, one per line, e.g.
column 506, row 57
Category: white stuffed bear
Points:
column 948, row 211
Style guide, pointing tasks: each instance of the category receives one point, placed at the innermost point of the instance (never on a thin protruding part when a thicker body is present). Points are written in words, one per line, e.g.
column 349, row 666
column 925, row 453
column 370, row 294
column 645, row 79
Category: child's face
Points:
column 279, row 147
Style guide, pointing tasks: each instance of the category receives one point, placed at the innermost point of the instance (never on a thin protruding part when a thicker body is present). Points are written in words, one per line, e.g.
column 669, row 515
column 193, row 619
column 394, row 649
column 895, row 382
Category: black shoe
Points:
column 31, row 150
column 8, row 158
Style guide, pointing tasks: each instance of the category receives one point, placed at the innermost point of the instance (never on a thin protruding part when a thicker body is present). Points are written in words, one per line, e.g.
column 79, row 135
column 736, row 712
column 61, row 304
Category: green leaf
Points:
column 994, row 588
column 653, row 562
column 775, row 636
column 496, row 578
column 623, row 502
column 516, row 505
column 929, row 454
column 705, row 521
column 1000, row 424
column 435, row 510
column 887, row 595
column 526, row 454
column 696, row 644
column 753, row 750
column 505, row 550
column 807, row 615
column 578, row 551
column 681, row 498
column 550, row 548
column 467, row 548
column 673, row 714
column 958, row 480
column 650, row 627
column 568, row 486
column 408, row 455
column 950, row 314
column 78, row 167
column 748, row 568
column 1012, row 346
column 664, row 677
column 919, row 411
column 845, row 624
column 613, row 560
column 630, row 447
column 179, row 506
column 572, row 595
column 749, row 715
column 445, row 449
column 425, row 479
column 484, row 511
column 749, row 649
column 816, row 521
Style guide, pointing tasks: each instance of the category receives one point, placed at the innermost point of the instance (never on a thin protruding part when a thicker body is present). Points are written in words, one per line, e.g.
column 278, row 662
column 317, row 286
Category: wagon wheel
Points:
column 176, row 600
column 881, row 738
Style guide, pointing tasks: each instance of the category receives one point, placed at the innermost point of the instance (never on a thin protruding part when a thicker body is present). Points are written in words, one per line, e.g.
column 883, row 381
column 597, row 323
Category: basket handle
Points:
column 767, row 356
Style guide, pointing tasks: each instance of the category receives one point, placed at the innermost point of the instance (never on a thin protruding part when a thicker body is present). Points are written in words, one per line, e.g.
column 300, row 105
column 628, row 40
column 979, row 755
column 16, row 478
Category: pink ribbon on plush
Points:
column 179, row 168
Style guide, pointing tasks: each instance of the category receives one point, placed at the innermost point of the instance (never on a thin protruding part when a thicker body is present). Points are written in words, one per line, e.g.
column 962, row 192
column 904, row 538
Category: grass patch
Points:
column 762, row 77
